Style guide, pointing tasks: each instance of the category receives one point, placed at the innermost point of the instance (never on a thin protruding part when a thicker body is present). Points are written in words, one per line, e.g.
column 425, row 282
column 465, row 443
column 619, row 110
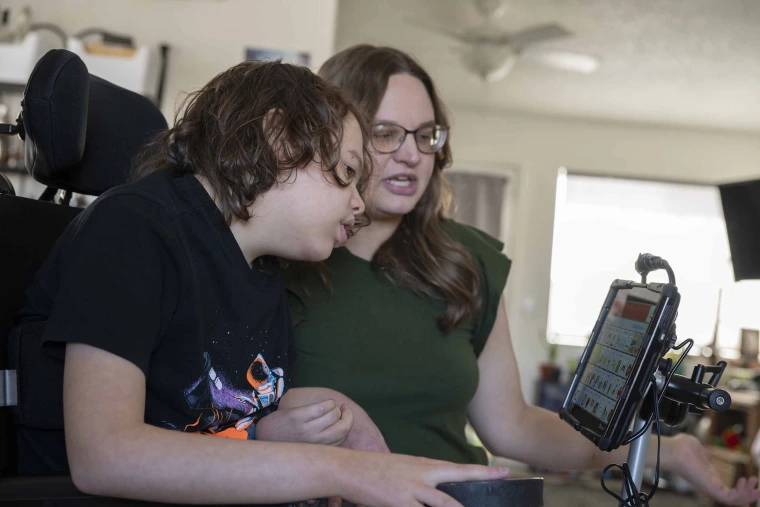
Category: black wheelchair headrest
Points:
column 82, row 132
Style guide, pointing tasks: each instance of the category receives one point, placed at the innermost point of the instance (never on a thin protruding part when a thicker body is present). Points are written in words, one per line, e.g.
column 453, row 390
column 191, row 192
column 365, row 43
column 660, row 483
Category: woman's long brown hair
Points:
column 420, row 254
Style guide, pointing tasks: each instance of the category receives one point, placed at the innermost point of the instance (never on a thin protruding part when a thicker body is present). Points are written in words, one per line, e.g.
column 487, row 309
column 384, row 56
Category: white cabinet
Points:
column 137, row 70
column 17, row 60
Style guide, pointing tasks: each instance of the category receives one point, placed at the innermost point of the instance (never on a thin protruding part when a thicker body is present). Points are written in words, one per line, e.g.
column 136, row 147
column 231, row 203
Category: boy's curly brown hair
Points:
column 228, row 130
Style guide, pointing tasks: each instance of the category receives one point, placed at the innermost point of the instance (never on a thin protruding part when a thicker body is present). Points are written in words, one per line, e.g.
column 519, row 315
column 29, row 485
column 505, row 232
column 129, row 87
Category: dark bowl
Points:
column 498, row 493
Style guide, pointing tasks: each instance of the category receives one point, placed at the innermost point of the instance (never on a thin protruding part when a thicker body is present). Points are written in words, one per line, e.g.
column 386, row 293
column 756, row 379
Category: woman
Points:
column 408, row 320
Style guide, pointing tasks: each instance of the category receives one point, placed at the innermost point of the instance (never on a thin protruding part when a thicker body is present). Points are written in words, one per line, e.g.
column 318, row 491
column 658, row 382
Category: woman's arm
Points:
column 509, row 427
column 113, row 452
column 364, row 435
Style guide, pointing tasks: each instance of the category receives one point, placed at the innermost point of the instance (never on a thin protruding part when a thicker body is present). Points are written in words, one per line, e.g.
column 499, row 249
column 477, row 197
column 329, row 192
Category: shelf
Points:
column 744, row 399
column 12, row 88
column 139, row 69
column 729, row 455
column 14, row 170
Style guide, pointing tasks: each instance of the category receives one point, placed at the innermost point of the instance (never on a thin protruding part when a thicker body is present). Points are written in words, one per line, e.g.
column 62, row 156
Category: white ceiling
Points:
column 674, row 62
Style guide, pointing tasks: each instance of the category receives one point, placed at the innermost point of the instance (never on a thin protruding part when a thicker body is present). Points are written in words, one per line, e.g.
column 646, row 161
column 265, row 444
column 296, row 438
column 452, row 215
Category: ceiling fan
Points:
column 490, row 52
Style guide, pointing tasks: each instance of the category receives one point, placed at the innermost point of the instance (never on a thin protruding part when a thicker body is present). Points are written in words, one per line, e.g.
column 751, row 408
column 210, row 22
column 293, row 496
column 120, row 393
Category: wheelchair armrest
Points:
column 59, row 491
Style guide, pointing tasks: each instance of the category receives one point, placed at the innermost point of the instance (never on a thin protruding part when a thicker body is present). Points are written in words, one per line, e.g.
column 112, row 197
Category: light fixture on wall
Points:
column 490, row 63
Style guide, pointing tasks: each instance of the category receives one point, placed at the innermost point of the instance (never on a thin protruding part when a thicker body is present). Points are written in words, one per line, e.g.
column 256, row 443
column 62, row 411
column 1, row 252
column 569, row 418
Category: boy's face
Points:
column 318, row 213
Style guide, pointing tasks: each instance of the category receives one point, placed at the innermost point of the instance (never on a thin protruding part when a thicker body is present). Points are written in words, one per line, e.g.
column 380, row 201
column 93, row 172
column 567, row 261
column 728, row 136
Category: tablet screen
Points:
column 615, row 351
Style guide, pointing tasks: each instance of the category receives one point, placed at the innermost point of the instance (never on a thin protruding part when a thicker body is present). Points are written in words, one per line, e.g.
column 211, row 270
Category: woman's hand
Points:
column 691, row 460
column 318, row 423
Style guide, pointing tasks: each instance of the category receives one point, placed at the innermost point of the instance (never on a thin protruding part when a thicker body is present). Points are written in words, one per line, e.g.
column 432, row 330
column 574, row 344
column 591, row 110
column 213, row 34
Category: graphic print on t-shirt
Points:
column 227, row 410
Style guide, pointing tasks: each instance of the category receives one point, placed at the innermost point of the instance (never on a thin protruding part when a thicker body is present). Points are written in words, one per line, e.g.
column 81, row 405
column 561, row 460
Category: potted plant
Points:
column 550, row 371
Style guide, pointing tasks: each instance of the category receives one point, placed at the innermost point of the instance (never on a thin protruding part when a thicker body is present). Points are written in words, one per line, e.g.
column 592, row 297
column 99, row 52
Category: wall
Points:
column 206, row 36
column 535, row 147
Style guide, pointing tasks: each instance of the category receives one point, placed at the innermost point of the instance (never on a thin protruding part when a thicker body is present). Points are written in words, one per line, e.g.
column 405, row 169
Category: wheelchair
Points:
column 80, row 134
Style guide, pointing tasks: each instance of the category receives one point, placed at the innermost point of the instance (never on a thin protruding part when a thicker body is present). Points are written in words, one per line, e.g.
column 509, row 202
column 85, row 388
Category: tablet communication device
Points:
column 629, row 338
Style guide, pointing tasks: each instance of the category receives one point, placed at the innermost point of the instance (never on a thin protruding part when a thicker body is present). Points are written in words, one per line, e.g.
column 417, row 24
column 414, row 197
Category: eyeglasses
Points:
column 388, row 137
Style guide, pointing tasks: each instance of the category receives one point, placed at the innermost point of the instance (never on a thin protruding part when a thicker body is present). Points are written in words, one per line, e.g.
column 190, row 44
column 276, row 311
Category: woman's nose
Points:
column 408, row 153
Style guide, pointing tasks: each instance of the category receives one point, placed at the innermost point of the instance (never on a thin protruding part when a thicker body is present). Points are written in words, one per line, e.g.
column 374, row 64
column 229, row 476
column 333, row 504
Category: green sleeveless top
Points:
column 379, row 344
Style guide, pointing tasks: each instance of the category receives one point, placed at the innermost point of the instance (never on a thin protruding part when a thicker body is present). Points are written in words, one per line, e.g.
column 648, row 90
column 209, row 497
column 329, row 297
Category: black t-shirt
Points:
column 150, row 272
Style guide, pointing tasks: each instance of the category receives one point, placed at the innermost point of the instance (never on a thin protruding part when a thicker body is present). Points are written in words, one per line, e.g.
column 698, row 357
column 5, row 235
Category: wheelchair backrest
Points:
column 81, row 134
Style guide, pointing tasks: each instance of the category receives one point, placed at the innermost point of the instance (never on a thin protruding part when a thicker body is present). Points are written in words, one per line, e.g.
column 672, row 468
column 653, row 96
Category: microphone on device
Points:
column 648, row 262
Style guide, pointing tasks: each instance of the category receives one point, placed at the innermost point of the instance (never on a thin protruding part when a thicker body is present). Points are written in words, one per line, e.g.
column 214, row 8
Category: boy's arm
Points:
column 364, row 434
column 113, row 452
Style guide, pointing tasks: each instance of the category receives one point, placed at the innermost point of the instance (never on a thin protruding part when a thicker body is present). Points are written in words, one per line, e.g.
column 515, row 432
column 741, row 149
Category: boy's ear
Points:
column 273, row 127
column 274, row 133
column 286, row 150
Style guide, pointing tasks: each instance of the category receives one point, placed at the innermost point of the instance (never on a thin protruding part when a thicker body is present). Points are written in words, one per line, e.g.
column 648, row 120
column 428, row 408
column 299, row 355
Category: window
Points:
column 601, row 224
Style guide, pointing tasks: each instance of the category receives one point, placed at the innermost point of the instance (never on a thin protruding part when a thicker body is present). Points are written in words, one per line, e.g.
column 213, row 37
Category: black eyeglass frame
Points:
column 444, row 131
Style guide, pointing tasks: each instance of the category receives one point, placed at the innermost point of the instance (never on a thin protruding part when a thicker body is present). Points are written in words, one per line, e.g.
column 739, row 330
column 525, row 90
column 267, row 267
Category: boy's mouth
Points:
column 345, row 231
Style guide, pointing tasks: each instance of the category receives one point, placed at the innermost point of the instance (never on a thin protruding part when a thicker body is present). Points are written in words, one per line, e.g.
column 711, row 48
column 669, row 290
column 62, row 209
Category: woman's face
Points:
column 400, row 178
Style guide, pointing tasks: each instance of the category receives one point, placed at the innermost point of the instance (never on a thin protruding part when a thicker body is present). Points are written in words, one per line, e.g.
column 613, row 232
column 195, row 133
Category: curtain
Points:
column 479, row 200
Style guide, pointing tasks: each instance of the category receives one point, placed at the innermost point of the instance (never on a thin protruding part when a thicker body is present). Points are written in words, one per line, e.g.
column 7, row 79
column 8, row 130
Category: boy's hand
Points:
column 317, row 423
column 364, row 435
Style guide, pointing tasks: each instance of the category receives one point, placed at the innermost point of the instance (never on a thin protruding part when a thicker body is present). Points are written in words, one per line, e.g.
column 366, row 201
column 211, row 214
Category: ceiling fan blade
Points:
column 564, row 60
column 536, row 34
column 436, row 28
